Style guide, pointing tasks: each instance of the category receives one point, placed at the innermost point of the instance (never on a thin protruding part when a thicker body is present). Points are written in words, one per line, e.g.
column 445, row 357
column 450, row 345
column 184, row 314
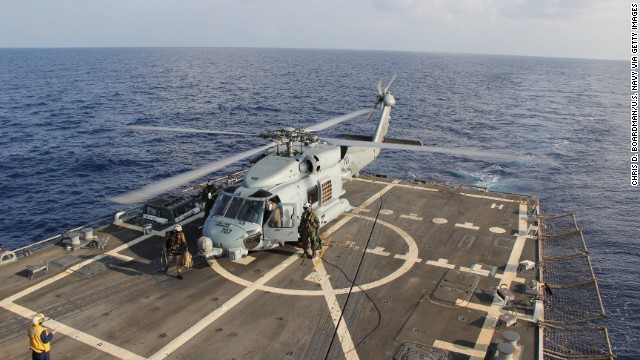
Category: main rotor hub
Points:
column 289, row 137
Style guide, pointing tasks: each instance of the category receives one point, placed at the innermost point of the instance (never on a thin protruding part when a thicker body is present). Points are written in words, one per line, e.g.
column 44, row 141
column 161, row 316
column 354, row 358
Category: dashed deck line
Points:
column 468, row 225
column 412, row 217
column 398, row 184
column 443, row 263
column 488, row 327
column 490, row 197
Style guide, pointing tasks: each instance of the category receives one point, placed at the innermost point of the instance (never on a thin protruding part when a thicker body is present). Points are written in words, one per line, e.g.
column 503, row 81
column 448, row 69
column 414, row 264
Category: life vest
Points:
column 35, row 342
column 174, row 242
column 309, row 222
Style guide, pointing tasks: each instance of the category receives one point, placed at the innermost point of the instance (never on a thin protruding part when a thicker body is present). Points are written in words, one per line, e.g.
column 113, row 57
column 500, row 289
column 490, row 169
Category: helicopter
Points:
column 296, row 167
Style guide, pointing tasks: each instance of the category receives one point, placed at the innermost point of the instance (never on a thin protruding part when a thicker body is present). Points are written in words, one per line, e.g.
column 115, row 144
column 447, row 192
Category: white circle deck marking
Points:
column 409, row 258
column 386, row 211
column 439, row 221
column 497, row 230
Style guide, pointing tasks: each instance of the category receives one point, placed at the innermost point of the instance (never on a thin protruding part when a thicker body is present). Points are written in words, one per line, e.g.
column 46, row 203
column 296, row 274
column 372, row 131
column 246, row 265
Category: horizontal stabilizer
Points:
column 387, row 140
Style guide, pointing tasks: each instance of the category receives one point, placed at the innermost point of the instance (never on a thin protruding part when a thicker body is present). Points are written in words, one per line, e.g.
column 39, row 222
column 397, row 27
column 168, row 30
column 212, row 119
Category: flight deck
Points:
column 413, row 271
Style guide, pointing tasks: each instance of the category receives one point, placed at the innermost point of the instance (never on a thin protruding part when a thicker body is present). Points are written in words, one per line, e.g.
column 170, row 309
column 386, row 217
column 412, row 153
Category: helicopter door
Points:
column 281, row 225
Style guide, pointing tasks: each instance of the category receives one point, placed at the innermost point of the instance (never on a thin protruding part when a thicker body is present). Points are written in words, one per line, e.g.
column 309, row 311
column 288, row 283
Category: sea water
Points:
column 65, row 148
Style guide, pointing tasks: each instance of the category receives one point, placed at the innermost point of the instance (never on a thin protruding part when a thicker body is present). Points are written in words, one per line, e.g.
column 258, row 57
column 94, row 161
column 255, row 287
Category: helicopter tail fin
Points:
column 388, row 101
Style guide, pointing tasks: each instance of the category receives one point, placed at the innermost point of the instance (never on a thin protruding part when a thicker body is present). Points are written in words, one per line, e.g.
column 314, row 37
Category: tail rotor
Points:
column 381, row 94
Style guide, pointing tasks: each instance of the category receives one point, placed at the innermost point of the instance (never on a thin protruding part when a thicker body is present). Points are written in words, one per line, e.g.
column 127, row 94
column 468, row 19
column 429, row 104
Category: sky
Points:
column 593, row 29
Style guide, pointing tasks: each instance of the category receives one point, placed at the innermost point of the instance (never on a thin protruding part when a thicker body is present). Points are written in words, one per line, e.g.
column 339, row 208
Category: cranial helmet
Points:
column 178, row 227
column 307, row 205
column 209, row 182
column 37, row 319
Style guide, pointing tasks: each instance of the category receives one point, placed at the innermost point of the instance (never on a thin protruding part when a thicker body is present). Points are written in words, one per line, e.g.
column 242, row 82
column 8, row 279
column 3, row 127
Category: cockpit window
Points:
column 252, row 211
column 234, row 207
column 220, row 204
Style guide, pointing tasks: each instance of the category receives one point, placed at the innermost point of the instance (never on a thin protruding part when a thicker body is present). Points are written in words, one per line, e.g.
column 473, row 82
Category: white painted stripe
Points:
column 474, row 306
column 8, row 303
column 407, row 257
column 457, row 348
column 122, row 257
column 213, row 316
column 412, row 217
column 378, row 251
column 376, row 196
column 397, row 182
column 443, row 263
column 130, row 226
column 490, row 197
column 76, row 334
column 348, row 347
column 468, row 225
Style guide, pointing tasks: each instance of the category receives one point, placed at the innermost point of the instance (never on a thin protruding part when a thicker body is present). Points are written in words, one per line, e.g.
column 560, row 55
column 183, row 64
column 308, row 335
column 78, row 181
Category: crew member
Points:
column 39, row 338
column 273, row 213
column 174, row 245
column 309, row 226
column 208, row 197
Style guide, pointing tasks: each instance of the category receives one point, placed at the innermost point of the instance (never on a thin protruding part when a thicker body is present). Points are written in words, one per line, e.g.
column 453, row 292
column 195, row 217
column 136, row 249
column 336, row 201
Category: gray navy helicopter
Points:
column 297, row 167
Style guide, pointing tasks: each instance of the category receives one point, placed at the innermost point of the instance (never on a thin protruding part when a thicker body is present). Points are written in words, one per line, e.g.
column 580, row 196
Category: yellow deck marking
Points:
column 324, row 248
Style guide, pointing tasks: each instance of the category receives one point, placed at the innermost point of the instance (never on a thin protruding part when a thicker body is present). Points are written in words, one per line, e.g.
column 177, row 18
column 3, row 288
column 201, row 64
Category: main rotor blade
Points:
column 159, row 187
column 379, row 86
column 436, row 149
column 338, row 119
column 186, row 130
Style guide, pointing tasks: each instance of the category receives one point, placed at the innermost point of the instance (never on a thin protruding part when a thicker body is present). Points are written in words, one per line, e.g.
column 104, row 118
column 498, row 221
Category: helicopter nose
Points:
column 223, row 235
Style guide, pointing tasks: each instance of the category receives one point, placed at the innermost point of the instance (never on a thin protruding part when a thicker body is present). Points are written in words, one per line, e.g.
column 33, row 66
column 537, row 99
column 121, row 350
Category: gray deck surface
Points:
column 412, row 269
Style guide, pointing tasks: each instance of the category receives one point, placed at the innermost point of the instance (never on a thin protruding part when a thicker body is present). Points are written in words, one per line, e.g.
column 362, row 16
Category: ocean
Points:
column 64, row 146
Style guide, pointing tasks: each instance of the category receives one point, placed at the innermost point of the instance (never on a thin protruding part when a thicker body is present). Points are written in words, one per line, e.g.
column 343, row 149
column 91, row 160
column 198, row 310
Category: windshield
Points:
column 233, row 207
column 220, row 204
